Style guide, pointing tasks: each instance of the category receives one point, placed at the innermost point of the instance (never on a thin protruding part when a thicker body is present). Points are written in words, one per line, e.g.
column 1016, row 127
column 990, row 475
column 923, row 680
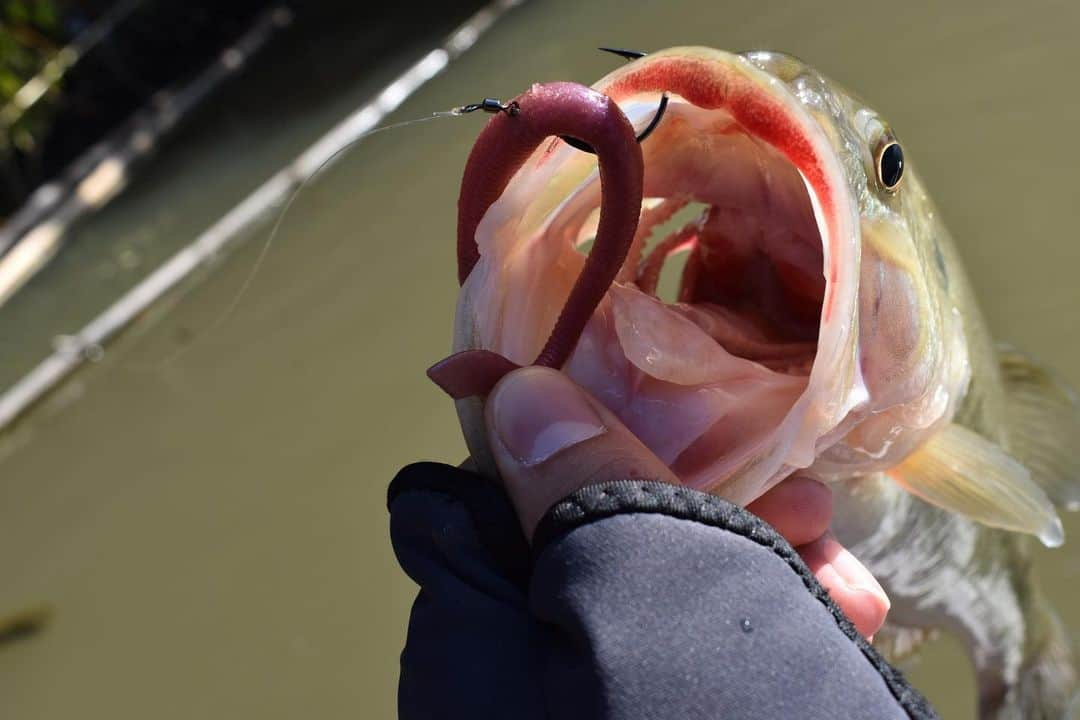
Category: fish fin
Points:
column 1047, row 686
column 899, row 643
column 963, row 472
column 1044, row 426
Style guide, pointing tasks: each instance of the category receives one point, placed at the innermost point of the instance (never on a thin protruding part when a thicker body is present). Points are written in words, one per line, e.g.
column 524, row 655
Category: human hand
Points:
column 550, row 438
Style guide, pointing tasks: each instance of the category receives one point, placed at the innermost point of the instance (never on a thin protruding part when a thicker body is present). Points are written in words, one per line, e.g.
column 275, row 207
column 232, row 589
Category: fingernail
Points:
column 856, row 576
column 539, row 412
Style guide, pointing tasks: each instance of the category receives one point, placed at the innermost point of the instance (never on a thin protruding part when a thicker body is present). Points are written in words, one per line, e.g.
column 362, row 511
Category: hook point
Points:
column 624, row 53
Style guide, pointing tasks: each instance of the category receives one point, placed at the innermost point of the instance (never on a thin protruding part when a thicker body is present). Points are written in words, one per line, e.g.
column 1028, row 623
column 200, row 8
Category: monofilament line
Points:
column 209, row 244
column 279, row 220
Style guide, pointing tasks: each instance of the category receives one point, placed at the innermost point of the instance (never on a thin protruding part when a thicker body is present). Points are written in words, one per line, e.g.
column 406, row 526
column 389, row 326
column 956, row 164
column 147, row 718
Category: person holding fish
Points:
column 646, row 599
column 650, row 523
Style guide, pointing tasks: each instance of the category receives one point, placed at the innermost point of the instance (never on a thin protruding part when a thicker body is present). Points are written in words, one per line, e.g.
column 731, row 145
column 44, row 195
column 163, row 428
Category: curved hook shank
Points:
column 503, row 147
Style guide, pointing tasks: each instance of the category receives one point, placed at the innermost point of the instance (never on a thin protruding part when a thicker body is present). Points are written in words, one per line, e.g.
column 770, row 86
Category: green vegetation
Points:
column 31, row 64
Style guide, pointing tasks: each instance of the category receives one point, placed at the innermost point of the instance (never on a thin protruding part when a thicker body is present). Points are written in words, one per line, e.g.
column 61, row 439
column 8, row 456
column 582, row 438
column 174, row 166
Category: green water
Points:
column 210, row 527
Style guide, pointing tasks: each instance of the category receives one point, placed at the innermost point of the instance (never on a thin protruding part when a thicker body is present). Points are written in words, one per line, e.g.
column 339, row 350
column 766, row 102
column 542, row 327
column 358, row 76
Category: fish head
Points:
column 912, row 347
column 810, row 331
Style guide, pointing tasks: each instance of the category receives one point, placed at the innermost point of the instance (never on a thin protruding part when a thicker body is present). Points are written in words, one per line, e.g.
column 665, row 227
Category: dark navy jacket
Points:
column 637, row 600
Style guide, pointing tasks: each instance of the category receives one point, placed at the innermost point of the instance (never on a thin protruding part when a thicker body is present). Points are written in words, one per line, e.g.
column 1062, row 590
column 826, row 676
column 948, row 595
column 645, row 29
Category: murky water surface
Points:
column 209, row 527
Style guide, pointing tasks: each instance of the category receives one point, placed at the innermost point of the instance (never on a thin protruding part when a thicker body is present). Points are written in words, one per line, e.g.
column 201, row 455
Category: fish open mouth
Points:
column 754, row 272
column 753, row 365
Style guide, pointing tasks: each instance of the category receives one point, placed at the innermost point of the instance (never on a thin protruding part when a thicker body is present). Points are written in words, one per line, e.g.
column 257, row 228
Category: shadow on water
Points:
column 212, row 532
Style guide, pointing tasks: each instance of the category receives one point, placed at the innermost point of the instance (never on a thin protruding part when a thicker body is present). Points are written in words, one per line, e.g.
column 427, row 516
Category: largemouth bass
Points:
column 823, row 325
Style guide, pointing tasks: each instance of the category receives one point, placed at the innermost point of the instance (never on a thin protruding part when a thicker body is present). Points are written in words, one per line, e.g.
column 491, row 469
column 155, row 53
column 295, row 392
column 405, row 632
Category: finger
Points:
column 799, row 508
column 849, row 583
column 550, row 438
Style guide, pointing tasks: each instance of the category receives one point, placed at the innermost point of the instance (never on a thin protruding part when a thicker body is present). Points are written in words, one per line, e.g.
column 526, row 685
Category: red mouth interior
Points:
column 753, row 278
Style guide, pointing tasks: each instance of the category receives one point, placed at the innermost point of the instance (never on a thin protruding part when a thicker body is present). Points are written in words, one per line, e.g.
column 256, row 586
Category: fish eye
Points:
column 890, row 165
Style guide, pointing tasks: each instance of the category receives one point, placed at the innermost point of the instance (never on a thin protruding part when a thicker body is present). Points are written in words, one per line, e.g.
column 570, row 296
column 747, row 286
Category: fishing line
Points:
column 264, row 251
column 275, row 229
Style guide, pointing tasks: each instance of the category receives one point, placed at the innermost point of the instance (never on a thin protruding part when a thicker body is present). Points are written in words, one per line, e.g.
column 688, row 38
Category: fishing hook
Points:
column 660, row 110
column 624, row 53
column 493, row 106
column 629, row 55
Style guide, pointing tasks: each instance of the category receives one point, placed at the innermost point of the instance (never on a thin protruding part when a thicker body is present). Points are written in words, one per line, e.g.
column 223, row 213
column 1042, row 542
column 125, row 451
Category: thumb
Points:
column 550, row 438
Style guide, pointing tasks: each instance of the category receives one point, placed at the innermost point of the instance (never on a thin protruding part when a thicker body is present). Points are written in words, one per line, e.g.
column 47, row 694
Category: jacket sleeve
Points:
column 638, row 600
